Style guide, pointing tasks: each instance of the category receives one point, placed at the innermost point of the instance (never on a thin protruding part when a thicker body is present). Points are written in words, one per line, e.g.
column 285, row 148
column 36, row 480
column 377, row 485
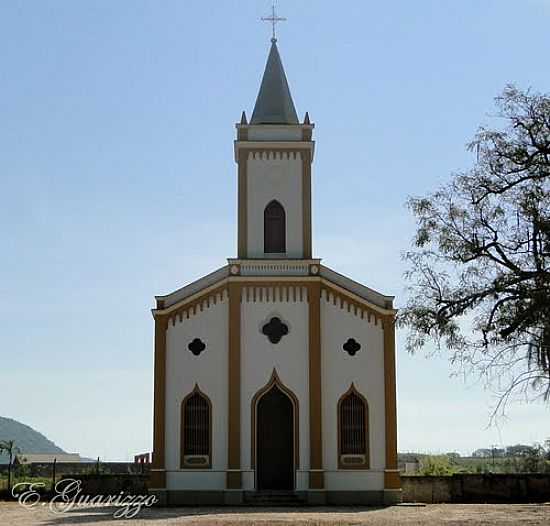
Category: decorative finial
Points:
column 243, row 118
column 274, row 19
column 306, row 118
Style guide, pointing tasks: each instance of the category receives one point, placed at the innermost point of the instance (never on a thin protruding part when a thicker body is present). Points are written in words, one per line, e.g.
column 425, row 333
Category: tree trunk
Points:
column 9, row 473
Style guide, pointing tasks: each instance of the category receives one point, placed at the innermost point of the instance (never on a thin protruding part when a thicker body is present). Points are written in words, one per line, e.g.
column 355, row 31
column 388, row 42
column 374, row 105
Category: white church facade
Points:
column 275, row 374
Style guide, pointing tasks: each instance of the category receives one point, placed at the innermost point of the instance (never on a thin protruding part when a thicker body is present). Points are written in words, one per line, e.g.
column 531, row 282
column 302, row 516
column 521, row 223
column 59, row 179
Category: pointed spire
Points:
column 243, row 118
column 306, row 118
column 274, row 104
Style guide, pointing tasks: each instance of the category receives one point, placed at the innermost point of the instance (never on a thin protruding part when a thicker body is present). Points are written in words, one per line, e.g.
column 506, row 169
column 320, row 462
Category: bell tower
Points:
column 274, row 152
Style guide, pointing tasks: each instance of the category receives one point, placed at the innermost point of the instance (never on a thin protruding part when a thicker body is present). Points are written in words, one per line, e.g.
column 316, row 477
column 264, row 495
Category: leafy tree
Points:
column 9, row 447
column 519, row 450
column 532, row 460
column 436, row 465
column 479, row 268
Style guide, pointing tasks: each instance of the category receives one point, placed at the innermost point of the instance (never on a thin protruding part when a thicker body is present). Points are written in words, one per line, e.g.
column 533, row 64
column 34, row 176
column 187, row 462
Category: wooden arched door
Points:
column 275, row 441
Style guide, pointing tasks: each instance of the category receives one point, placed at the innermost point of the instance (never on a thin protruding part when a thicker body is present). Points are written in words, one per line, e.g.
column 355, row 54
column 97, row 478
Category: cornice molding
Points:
column 217, row 292
column 274, row 146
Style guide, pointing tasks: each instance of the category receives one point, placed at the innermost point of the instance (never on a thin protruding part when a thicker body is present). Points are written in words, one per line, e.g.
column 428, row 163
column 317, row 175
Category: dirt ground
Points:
column 434, row 514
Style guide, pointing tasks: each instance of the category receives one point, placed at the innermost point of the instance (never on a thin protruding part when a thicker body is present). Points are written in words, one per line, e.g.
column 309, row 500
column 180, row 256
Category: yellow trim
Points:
column 234, row 479
column 242, row 204
column 158, row 477
column 306, row 205
column 391, row 475
column 357, row 298
column 316, row 479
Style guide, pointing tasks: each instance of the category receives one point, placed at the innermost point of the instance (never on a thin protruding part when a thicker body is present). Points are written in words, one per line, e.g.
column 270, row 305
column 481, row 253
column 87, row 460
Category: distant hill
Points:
column 26, row 438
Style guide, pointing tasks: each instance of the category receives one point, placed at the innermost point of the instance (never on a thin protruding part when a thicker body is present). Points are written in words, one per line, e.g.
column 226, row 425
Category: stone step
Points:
column 273, row 498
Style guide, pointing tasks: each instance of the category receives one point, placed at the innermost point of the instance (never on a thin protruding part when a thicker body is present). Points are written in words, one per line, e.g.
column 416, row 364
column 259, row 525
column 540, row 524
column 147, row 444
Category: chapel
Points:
column 274, row 375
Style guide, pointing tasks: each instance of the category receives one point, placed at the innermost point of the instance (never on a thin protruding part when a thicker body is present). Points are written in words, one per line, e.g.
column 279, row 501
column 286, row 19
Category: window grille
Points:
column 196, row 425
column 353, row 428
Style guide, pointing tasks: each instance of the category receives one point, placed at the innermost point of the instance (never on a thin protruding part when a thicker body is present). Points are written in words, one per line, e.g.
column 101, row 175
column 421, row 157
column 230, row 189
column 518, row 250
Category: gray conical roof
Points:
column 274, row 103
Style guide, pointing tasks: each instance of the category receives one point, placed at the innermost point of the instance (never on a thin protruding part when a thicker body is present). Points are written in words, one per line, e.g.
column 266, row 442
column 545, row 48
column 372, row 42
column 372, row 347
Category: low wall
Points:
column 477, row 488
column 112, row 484
column 426, row 489
column 459, row 488
column 45, row 469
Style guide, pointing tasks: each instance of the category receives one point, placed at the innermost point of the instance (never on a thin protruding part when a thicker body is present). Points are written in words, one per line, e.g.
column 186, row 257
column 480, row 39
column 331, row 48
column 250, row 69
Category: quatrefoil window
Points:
column 352, row 347
column 275, row 330
column 196, row 346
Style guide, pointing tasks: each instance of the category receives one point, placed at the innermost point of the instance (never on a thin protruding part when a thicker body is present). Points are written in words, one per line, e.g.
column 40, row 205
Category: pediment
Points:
column 258, row 274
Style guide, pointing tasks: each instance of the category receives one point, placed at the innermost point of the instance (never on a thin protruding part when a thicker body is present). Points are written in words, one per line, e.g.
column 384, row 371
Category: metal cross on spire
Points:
column 274, row 19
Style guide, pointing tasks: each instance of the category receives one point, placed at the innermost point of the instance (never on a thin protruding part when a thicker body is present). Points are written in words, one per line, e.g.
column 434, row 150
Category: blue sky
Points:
column 118, row 181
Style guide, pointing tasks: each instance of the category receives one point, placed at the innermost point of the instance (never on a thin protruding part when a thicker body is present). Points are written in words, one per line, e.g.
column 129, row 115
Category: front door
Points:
column 275, row 441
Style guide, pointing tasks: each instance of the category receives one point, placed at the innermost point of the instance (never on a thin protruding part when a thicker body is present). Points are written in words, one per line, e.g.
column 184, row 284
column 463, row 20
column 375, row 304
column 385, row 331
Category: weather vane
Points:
column 274, row 19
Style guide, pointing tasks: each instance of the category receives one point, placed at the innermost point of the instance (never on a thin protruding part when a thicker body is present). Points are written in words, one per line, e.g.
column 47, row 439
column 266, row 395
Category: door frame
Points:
column 275, row 381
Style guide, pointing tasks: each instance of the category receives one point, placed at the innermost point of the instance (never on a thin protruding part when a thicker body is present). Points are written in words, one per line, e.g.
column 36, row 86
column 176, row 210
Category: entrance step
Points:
column 273, row 498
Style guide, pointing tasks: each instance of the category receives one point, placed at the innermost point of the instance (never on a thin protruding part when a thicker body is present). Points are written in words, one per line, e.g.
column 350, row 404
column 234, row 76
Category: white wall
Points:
column 275, row 177
column 349, row 480
column 290, row 359
column 209, row 371
column 366, row 371
column 258, row 359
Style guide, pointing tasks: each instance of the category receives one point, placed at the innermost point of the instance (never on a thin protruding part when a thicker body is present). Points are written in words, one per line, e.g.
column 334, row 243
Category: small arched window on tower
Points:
column 353, row 432
column 274, row 228
column 196, row 430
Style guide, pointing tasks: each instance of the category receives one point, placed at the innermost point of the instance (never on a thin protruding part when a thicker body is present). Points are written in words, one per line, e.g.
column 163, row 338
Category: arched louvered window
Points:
column 353, row 436
column 274, row 228
column 196, row 430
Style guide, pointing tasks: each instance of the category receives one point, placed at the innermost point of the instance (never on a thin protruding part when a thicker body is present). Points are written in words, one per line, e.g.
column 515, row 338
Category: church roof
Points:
column 211, row 282
column 274, row 104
